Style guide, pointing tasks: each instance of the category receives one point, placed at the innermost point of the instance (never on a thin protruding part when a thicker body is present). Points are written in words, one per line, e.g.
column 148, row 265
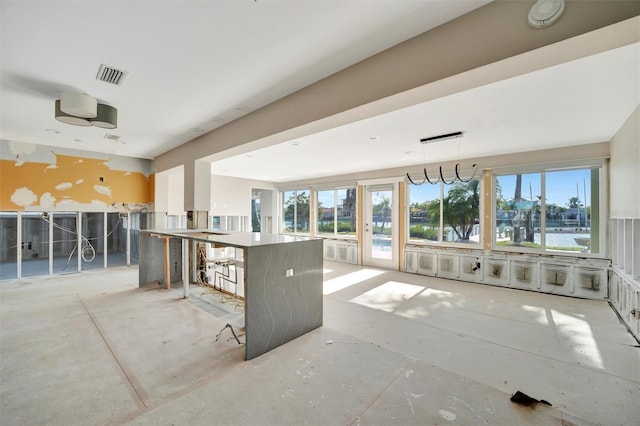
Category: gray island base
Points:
column 282, row 279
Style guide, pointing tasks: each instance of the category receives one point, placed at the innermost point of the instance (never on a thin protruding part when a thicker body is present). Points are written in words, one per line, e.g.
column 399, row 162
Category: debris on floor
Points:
column 230, row 327
column 524, row 399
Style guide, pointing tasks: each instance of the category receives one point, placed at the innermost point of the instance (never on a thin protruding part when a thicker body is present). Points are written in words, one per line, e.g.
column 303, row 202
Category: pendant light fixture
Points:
column 63, row 117
column 440, row 177
column 80, row 109
column 107, row 117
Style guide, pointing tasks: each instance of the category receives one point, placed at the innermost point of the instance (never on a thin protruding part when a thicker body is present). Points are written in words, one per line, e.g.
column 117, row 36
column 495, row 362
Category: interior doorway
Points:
column 262, row 202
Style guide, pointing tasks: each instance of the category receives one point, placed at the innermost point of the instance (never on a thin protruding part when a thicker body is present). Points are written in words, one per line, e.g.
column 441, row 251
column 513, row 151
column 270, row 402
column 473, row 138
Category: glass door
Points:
column 380, row 226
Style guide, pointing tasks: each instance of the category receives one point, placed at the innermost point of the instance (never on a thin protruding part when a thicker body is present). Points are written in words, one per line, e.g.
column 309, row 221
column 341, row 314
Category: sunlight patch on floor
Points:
column 388, row 296
column 344, row 281
column 539, row 314
column 578, row 332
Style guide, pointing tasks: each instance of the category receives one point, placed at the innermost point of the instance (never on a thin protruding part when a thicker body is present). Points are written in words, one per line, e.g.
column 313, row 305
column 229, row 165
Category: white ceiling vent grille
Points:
column 111, row 75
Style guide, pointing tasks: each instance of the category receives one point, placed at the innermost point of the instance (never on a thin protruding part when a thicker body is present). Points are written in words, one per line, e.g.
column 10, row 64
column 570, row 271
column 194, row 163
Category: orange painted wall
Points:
column 70, row 182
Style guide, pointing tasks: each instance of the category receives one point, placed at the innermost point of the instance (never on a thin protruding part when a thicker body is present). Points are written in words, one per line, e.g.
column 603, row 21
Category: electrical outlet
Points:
column 289, row 272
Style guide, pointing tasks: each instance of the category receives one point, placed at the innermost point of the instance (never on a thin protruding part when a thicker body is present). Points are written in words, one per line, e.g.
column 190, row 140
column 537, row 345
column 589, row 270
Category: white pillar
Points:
column 19, row 246
column 185, row 267
column 197, row 186
column 104, row 239
column 79, row 240
column 50, row 243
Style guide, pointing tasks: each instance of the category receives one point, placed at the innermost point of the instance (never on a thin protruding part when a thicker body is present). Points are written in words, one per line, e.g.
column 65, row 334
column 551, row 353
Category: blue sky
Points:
column 560, row 186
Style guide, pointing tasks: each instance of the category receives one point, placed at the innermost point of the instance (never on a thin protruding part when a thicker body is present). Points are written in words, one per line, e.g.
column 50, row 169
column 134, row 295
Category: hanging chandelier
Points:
column 440, row 177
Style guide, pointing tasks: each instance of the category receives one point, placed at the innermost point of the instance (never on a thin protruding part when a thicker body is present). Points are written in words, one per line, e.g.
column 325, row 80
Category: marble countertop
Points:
column 230, row 239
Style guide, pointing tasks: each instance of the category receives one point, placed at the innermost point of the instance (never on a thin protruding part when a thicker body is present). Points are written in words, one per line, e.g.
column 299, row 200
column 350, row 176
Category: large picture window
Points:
column 336, row 212
column 445, row 213
column 424, row 212
column 295, row 211
column 552, row 210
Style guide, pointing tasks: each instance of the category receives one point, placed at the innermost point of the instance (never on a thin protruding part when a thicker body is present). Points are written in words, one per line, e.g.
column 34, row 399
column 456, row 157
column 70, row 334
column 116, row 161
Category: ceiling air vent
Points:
column 111, row 75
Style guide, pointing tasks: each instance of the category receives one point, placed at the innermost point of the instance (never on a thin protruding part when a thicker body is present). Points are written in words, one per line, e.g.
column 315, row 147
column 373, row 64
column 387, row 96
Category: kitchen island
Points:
column 282, row 278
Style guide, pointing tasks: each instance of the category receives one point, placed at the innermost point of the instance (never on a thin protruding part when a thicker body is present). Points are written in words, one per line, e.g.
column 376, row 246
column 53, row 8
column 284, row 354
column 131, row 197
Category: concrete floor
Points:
column 395, row 348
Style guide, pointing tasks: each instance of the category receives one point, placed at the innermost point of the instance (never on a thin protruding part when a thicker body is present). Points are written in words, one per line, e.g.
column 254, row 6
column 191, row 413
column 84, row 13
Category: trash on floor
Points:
column 524, row 399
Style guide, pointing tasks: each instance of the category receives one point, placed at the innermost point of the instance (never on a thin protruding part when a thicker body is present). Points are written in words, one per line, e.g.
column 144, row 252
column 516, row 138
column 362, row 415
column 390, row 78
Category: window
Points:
column 295, row 211
column 518, row 210
column 549, row 210
column 445, row 213
column 424, row 212
column 336, row 212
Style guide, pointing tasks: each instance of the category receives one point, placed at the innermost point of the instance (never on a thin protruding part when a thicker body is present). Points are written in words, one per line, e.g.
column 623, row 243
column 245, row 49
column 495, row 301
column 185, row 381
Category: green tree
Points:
column 298, row 206
column 383, row 208
column 574, row 203
column 517, row 198
column 460, row 208
column 349, row 208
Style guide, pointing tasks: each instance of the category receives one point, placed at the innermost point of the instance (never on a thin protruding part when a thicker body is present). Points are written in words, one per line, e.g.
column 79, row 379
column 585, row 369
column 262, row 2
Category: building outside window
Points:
column 296, row 211
column 552, row 210
column 336, row 212
column 445, row 213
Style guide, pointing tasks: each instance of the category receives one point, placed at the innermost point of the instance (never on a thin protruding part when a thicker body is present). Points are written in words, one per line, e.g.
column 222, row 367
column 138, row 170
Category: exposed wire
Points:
column 232, row 332
column 87, row 251
column 201, row 280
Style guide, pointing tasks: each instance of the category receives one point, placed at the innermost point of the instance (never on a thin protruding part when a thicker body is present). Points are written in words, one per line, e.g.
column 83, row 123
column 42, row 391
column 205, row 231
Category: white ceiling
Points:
column 190, row 63
column 579, row 102
column 199, row 64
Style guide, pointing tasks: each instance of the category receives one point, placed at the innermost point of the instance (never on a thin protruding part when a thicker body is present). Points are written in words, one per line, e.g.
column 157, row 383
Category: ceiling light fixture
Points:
column 80, row 109
column 545, row 12
column 441, row 178
column 107, row 117
column 63, row 117
column 440, row 138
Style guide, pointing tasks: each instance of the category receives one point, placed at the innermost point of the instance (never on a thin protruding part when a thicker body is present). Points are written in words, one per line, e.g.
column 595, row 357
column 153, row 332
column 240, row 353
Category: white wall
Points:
column 625, row 169
column 232, row 196
column 169, row 192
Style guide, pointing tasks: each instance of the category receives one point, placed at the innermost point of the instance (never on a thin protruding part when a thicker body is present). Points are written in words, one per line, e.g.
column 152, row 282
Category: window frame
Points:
column 295, row 231
column 544, row 170
column 441, row 241
column 336, row 199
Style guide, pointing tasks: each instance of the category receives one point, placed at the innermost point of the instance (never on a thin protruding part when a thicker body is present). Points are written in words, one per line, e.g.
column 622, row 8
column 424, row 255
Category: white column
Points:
column 197, row 186
column 50, row 243
column 19, row 246
column 185, row 267
column 104, row 239
column 128, row 218
column 79, row 240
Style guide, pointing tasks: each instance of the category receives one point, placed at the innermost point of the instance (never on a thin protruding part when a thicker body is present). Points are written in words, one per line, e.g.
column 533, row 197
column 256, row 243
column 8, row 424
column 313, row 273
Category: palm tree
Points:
column 574, row 203
column 383, row 207
column 460, row 208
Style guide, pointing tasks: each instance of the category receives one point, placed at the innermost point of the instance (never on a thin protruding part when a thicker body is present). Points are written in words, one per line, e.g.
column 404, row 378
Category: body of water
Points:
column 561, row 239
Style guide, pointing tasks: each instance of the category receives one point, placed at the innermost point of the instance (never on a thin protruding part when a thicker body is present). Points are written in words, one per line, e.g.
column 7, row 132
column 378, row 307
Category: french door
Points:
column 381, row 226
